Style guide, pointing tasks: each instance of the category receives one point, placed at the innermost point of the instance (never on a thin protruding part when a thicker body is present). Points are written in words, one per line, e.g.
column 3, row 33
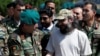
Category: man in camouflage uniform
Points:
column 89, row 11
column 13, row 22
column 97, row 34
column 3, row 41
column 25, row 41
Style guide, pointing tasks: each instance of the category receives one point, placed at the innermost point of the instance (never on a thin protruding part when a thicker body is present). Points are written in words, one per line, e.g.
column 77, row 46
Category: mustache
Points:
column 65, row 27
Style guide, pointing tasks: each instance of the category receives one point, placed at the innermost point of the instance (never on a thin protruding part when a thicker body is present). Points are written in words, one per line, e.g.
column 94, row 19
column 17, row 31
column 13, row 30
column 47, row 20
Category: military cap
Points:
column 29, row 17
column 63, row 13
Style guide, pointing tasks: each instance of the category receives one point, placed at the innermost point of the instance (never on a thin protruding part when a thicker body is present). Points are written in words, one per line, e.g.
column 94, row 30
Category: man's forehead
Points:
column 17, row 6
column 87, row 6
column 43, row 14
column 77, row 10
column 10, row 8
column 51, row 4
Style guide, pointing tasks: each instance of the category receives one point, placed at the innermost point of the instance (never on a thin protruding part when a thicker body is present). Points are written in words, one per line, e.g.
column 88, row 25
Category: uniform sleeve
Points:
column 50, row 47
column 12, row 40
column 13, row 45
column 85, row 45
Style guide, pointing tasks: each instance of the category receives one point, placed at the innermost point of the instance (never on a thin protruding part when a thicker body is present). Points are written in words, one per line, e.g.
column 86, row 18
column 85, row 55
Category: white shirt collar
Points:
column 50, row 27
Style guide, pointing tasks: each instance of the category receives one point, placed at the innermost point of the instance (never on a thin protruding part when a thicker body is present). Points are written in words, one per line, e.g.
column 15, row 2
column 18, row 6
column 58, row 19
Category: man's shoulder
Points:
column 55, row 30
column 97, row 31
column 3, row 30
column 37, row 32
column 6, row 20
column 13, row 36
column 82, row 35
column 81, row 32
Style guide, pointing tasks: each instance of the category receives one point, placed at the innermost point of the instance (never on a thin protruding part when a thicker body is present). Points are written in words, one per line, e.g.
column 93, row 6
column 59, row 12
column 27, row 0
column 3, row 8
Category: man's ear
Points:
column 94, row 12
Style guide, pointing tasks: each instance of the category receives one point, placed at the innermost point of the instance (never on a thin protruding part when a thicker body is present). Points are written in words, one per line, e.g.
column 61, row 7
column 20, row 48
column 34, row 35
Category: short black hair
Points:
column 49, row 1
column 79, row 5
column 94, row 7
column 15, row 4
column 20, row 2
column 46, row 11
column 10, row 5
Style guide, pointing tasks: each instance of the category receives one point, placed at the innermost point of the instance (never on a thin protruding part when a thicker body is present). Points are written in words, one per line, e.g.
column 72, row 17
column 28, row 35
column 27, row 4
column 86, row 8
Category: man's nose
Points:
column 42, row 20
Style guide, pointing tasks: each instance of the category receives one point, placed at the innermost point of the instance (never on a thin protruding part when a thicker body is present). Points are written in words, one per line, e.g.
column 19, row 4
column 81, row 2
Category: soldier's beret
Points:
column 29, row 16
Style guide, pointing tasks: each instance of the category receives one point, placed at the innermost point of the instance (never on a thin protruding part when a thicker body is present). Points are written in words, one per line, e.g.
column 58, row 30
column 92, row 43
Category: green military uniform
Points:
column 3, row 41
column 22, row 43
column 97, row 41
column 10, row 24
column 31, row 45
column 91, row 33
column 97, row 34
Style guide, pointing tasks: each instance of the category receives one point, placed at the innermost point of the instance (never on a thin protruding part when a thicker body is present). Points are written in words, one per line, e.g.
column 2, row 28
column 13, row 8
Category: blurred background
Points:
column 40, row 3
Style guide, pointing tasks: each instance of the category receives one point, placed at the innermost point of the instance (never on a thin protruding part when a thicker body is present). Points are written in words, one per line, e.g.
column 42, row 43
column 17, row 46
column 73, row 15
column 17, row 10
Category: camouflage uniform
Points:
column 3, row 41
column 97, row 40
column 10, row 24
column 28, row 47
column 90, row 31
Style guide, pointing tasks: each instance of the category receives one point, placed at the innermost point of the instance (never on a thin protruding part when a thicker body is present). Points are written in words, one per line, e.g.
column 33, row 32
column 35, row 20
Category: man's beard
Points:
column 46, row 25
column 65, row 29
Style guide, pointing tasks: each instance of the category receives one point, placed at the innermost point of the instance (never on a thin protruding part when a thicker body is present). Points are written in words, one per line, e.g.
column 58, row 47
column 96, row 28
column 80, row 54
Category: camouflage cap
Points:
column 29, row 16
column 64, row 13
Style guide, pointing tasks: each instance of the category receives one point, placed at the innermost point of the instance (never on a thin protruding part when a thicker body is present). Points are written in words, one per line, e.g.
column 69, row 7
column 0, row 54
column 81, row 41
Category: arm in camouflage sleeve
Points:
column 38, row 35
column 4, row 37
column 13, row 45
